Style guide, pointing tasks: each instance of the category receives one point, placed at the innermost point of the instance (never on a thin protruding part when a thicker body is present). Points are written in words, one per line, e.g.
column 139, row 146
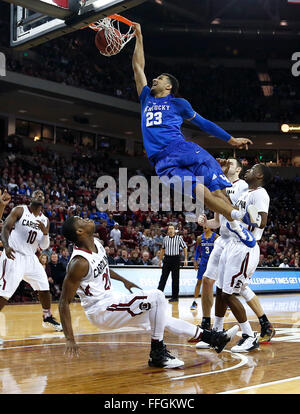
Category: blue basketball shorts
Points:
column 187, row 159
column 201, row 269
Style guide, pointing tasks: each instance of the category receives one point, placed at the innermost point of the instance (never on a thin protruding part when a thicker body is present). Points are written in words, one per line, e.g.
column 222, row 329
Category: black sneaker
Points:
column 173, row 300
column 160, row 357
column 51, row 322
column 218, row 340
column 266, row 334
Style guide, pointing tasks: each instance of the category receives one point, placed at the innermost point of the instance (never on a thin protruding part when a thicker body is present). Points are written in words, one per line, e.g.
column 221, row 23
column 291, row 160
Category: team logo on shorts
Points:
column 145, row 306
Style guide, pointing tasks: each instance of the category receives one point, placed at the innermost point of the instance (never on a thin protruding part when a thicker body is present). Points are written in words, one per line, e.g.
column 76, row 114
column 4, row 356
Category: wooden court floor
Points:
column 115, row 362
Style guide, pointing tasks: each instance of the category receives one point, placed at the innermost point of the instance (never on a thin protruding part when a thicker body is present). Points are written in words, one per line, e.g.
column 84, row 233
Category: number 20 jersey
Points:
column 95, row 286
column 26, row 235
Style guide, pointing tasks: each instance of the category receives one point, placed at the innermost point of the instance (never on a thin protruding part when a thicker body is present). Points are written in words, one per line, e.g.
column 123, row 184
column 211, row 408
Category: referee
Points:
column 170, row 249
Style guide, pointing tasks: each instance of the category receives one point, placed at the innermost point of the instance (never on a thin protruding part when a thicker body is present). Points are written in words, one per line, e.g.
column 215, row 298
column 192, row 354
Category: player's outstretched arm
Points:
column 77, row 269
column 8, row 225
column 138, row 60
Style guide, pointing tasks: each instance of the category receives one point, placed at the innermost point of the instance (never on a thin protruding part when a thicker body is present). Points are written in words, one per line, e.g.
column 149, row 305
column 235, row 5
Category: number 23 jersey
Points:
column 95, row 286
column 26, row 235
column 162, row 119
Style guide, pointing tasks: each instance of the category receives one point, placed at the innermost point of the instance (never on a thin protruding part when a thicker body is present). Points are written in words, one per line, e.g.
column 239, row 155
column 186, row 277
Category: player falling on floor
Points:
column 239, row 186
column 169, row 152
column 204, row 247
column 88, row 275
column 238, row 262
column 25, row 229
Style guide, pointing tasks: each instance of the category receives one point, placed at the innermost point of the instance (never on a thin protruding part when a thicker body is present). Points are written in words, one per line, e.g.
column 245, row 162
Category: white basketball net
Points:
column 111, row 27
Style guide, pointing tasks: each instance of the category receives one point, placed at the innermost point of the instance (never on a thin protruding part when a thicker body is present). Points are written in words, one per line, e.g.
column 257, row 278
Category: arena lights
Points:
column 290, row 127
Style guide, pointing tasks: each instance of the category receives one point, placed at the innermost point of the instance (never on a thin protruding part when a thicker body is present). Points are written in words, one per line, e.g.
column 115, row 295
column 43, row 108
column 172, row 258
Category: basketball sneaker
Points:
column 247, row 343
column 266, row 334
column 243, row 234
column 194, row 305
column 160, row 357
column 214, row 339
column 51, row 322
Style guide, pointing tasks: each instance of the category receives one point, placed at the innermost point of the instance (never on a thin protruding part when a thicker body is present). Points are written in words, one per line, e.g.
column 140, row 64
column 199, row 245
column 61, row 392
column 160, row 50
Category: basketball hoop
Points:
column 112, row 35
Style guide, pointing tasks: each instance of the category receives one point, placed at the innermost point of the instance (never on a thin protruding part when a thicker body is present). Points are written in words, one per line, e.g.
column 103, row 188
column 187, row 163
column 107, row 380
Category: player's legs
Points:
column 200, row 273
column 267, row 331
column 237, row 268
column 38, row 280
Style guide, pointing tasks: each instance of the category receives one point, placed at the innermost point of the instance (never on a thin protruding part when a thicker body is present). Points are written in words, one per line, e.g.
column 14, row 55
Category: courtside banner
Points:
column 263, row 280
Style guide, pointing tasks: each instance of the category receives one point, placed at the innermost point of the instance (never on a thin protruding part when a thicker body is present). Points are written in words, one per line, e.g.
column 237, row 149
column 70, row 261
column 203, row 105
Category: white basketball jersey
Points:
column 238, row 187
column 26, row 235
column 234, row 192
column 96, row 284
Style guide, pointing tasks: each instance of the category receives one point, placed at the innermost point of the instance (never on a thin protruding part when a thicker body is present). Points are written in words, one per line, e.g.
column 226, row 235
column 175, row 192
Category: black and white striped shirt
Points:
column 172, row 245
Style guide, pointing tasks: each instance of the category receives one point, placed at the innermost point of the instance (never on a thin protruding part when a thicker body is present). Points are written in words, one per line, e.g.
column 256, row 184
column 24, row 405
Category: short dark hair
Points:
column 238, row 162
column 174, row 82
column 69, row 230
column 267, row 173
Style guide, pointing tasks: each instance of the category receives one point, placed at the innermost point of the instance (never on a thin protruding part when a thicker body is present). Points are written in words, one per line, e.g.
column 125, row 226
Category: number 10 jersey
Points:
column 26, row 235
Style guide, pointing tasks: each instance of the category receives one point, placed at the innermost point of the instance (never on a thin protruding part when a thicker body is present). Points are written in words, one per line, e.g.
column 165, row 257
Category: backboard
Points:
column 36, row 21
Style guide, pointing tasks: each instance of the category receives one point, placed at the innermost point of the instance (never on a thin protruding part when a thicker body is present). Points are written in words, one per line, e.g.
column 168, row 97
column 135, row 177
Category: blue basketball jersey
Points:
column 206, row 246
column 162, row 119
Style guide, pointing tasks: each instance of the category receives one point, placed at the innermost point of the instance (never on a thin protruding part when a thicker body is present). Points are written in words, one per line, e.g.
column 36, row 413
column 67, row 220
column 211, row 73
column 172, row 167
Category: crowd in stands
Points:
column 218, row 93
column 130, row 238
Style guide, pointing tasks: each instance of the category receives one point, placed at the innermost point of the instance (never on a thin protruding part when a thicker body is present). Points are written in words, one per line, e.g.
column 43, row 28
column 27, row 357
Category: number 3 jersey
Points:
column 95, row 286
column 26, row 235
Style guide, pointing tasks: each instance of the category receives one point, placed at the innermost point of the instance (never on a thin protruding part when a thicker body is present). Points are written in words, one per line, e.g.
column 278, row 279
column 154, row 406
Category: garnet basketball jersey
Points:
column 95, row 286
column 26, row 235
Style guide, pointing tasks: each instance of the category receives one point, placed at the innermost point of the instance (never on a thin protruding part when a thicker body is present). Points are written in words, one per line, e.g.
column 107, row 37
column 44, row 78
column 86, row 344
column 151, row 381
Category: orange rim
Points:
column 115, row 17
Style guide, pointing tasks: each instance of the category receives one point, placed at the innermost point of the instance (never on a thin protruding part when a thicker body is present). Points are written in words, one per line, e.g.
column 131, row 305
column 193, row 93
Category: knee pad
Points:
column 247, row 293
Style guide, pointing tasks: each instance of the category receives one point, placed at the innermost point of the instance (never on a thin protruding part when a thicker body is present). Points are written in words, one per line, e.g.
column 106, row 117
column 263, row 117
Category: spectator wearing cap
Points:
column 115, row 234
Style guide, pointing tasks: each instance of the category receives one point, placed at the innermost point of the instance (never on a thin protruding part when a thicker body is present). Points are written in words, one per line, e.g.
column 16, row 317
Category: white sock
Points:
column 180, row 327
column 218, row 323
column 157, row 314
column 236, row 215
column 246, row 328
column 46, row 313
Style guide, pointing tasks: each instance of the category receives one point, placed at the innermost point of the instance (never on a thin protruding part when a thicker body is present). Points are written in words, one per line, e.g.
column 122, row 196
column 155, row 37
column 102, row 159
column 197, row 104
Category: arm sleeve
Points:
column 45, row 242
column 210, row 127
column 189, row 114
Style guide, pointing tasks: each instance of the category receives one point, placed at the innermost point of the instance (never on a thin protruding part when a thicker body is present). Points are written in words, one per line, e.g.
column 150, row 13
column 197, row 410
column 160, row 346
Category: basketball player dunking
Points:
column 25, row 229
column 169, row 152
column 88, row 274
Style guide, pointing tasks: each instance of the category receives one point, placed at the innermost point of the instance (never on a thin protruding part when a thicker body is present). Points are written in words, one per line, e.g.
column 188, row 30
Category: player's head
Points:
column 77, row 229
column 235, row 167
column 37, row 197
column 259, row 174
column 164, row 84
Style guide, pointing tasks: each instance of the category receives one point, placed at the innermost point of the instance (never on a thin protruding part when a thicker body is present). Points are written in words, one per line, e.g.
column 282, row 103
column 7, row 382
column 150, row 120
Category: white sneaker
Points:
column 247, row 343
column 1, row 341
column 202, row 345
